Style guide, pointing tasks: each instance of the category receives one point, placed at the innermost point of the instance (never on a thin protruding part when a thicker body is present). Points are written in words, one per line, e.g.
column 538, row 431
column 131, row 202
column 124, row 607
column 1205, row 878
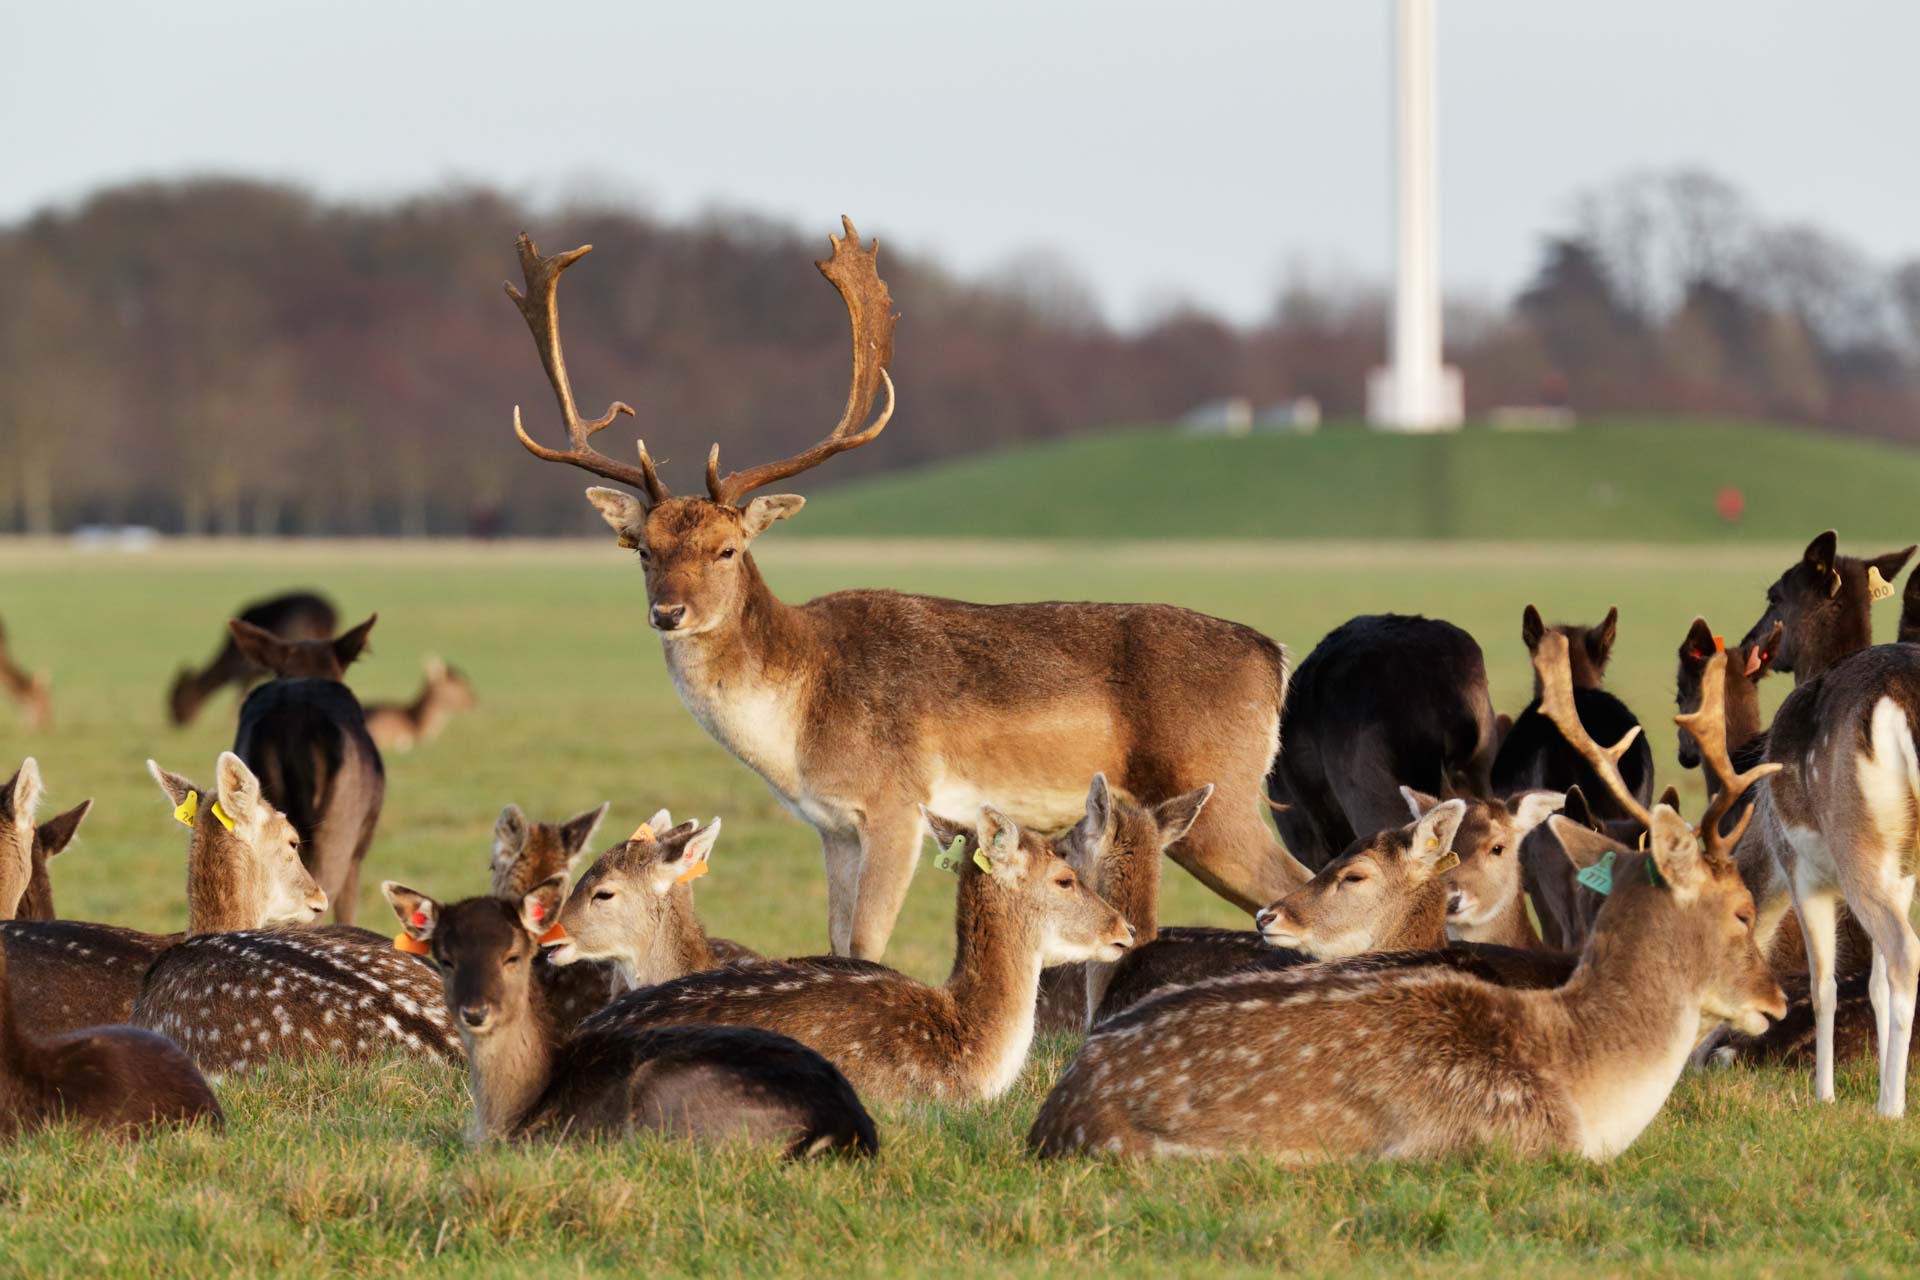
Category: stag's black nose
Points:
column 667, row 617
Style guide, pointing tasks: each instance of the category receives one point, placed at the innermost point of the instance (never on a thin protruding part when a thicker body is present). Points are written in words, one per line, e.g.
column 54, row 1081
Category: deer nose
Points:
column 668, row 616
column 474, row 1015
column 1265, row 916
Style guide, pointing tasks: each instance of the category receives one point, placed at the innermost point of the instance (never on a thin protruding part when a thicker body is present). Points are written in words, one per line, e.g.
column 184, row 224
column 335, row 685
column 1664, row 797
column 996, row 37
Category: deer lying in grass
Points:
column 1020, row 907
column 1823, row 605
column 702, row 1082
column 298, row 615
column 114, row 1079
column 400, row 726
column 633, row 909
column 32, row 691
column 527, row 854
column 1431, row 1061
column 26, row 891
column 304, row 735
column 68, row 974
column 861, row 707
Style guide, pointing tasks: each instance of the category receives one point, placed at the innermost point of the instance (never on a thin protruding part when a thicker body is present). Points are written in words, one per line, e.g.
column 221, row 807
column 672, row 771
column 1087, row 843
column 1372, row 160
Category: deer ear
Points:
column 23, row 791
column 1675, row 849
column 1583, row 846
column 1176, row 817
column 1820, row 553
column 436, row 668
column 1098, row 819
column 760, row 513
column 1419, row 803
column 175, row 787
column 1670, row 797
column 944, row 830
column 1433, row 836
column 689, row 861
column 540, row 908
column 1892, row 563
column 418, row 913
column 623, row 512
column 509, row 835
column 57, row 832
column 1760, row 656
column 661, row 820
column 1532, row 628
column 258, row 645
column 239, row 789
column 1697, row 648
column 579, row 829
column 351, row 645
column 999, row 840
column 1531, row 808
column 1600, row 639
column 1576, row 809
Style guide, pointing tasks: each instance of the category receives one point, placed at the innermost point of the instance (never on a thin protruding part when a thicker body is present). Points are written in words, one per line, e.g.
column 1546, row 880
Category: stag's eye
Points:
column 1353, row 877
column 727, row 554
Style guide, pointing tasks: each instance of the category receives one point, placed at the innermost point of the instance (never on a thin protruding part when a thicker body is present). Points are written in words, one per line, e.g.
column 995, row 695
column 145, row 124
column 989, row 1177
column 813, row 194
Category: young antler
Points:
column 540, row 307
column 1550, row 661
column 1708, row 725
column 854, row 271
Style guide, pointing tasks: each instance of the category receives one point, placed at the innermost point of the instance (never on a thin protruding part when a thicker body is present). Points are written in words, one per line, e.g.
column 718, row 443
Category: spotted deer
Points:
column 860, row 708
column 26, row 891
column 114, row 1079
column 32, row 691
column 297, row 615
column 1020, row 907
column 304, row 734
column 1823, row 605
column 633, row 908
column 530, row 1080
column 401, row 726
column 1433, row 1061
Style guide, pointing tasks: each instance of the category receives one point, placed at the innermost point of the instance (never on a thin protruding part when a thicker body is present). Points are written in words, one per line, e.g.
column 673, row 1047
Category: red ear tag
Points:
column 537, row 911
column 418, row 919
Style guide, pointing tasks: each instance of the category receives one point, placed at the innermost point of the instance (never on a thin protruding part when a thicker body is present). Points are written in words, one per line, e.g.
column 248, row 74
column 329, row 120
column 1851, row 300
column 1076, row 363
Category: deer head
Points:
column 1745, row 665
column 243, row 857
column 1384, row 888
column 1115, row 849
column 693, row 551
column 448, row 686
column 1487, row 881
column 1823, row 604
column 26, row 892
column 1589, row 648
column 1013, row 883
column 638, row 893
column 527, row 852
column 301, row 659
column 484, row 949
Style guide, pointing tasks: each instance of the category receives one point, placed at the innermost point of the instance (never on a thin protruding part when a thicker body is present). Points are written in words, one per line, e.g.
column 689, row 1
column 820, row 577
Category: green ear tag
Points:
column 948, row 859
column 1654, row 877
column 1599, row 876
column 982, row 861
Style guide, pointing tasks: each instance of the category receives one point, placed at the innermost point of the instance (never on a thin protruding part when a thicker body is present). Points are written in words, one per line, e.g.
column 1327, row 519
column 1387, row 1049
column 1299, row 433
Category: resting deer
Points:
column 304, row 734
column 26, row 892
column 526, row 853
column 1533, row 756
column 1384, row 701
column 1430, row 1061
column 298, row 615
column 31, row 690
column 697, row 1082
column 632, row 909
column 400, row 726
column 1020, row 907
column 1823, row 605
column 861, row 707
column 114, row 1079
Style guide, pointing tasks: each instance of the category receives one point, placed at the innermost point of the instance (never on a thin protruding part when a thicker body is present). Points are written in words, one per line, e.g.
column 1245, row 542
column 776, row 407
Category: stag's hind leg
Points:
column 1894, row 985
column 1816, row 907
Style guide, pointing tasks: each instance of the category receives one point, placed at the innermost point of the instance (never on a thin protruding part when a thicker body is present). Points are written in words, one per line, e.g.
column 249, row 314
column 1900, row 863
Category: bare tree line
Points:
column 227, row 356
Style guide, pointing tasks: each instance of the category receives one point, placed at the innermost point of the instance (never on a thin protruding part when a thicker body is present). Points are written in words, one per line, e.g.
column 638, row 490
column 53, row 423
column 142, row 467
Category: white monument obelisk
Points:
column 1415, row 392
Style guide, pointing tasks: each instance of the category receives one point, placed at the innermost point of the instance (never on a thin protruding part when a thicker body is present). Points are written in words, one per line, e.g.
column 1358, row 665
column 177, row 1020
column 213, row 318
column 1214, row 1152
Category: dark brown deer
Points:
column 526, row 854
column 1823, row 605
column 1020, row 907
column 297, row 615
column 107, row 1079
column 26, row 891
column 303, row 733
column 861, row 707
column 1909, row 632
column 1384, row 701
column 1534, row 757
column 701, row 1082
column 70, row 974
column 1745, row 666
column 400, row 726
column 1430, row 1061
column 32, row 691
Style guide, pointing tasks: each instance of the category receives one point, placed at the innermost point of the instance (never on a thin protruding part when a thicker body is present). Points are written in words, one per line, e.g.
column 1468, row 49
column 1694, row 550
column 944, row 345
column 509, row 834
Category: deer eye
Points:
column 1499, row 849
column 1353, row 877
column 643, row 553
column 1745, row 918
column 1065, row 882
column 727, row 554
column 511, row 960
column 604, row 895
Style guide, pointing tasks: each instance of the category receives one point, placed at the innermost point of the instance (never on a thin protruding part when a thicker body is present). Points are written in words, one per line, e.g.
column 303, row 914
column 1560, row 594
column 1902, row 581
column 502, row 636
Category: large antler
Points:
column 1708, row 725
column 540, row 306
column 1550, row 661
column 854, row 271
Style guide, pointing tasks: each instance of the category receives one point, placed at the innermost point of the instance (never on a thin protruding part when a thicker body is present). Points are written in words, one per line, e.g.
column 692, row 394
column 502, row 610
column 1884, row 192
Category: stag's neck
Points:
column 510, row 1067
column 995, row 981
column 677, row 947
column 1509, row 927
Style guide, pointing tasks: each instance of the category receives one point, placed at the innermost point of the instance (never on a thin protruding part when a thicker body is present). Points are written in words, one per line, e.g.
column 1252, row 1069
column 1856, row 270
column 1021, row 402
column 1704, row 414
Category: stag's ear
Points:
column 540, row 908
column 624, row 513
column 354, row 643
column 20, row 797
column 1433, row 836
column 258, row 645
column 1176, row 817
column 1600, row 639
column 760, row 513
column 1419, row 803
column 1531, row 808
column 1675, row 849
column 1532, row 628
column 418, row 913
column 57, row 832
column 1670, row 797
column 1697, row 650
column 1820, row 553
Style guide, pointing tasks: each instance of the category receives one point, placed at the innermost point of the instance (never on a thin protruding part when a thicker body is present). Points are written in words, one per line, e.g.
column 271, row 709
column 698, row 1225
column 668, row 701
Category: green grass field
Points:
column 363, row 1172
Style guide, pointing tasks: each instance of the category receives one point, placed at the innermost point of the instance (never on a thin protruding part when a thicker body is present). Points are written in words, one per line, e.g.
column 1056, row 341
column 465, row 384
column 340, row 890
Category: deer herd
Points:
column 1470, row 929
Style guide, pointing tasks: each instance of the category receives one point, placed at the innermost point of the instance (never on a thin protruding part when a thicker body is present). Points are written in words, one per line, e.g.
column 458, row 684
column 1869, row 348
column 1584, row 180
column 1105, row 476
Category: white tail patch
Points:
column 1890, row 779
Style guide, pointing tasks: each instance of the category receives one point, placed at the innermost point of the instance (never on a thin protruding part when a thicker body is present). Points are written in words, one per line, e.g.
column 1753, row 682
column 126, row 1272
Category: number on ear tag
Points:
column 948, row 859
column 1878, row 588
column 1599, row 876
column 1447, row 862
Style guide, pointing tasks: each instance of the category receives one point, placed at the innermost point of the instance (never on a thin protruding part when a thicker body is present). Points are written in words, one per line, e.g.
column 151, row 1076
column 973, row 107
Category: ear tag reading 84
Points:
column 1878, row 588
column 948, row 859
column 1599, row 876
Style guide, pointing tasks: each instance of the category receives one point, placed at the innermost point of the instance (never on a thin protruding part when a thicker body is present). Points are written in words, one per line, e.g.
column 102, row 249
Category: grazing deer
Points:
column 701, row 1082
column 32, row 690
column 1383, row 701
column 1533, row 757
column 633, row 909
column 1020, row 908
column 1823, row 605
column 298, row 615
column 305, row 736
column 26, row 892
column 1431, row 1061
column 114, row 1079
column 69, row 974
column 400, row 726
column 861, row 707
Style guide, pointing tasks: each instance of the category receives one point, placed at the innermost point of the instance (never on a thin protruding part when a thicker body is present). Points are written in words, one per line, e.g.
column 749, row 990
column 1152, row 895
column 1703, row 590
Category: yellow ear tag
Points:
column 642, row 832
column 982, row 861
column 1447, row 863
column 221, row 814
column 184, row 811
column 404, row 941
column 1878, row 588
column 692, row 873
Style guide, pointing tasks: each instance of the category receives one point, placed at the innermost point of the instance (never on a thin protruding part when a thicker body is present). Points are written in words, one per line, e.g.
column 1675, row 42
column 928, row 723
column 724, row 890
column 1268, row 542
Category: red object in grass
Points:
column 1730, row 504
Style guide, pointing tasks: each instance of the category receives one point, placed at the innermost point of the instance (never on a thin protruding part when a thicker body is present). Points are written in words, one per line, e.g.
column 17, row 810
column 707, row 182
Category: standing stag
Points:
column 297, row 615
column 1823, row 605
column 860, row 707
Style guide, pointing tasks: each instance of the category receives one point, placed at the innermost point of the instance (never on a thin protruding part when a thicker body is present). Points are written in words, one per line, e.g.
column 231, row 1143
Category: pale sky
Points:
column 1171, row 150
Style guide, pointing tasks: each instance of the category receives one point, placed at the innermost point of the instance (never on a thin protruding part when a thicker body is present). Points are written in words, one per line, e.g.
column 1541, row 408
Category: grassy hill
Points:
column 1652, row 481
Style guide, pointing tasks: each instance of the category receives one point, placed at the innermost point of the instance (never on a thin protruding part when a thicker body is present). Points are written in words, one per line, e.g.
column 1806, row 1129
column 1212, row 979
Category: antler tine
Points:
column 539, row 306
column 1556, row 703
column 854, row 271
column 1708, row 725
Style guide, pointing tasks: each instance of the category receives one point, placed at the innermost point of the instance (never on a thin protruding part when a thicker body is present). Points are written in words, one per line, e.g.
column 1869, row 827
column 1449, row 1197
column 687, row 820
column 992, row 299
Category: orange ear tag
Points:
column 404, row 941
column 692, row 873
column 553, row 936
column 642, row 832
column 1719, row 644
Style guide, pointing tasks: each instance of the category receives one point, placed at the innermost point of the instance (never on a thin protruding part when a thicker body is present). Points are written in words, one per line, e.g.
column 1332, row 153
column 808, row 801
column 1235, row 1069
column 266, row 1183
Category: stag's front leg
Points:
column 842, row 851
column 890, row 845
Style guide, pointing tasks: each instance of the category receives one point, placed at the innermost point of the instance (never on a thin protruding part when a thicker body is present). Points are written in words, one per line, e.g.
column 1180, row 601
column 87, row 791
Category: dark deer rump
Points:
column 703, row 1082
column 1384, row 701
column 307, row 742
column 111, row 1078
column 68, row 975
column 1534, row 757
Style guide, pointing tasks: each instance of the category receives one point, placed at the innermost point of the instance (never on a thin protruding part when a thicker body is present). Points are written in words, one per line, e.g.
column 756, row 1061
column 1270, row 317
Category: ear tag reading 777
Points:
column 1599, row 876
